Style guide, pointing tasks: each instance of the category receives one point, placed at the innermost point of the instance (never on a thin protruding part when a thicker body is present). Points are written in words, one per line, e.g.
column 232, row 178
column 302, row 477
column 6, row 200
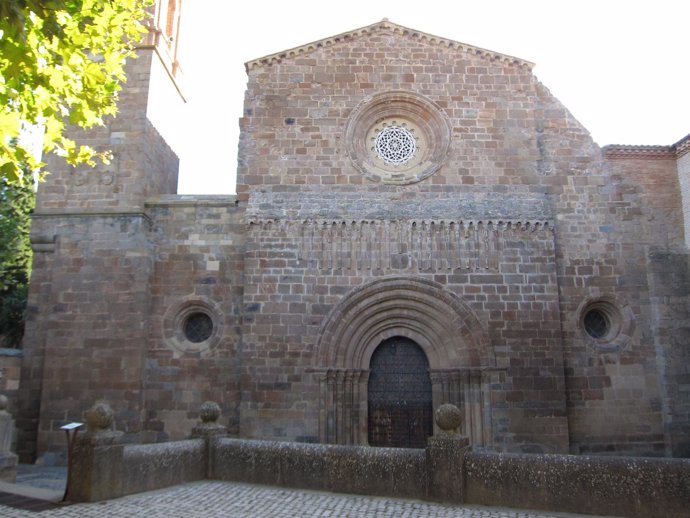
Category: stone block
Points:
column 445, row 467
column 8, row 467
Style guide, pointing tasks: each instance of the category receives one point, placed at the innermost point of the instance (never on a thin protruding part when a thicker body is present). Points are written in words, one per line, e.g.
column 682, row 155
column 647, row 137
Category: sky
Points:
column 620, row 67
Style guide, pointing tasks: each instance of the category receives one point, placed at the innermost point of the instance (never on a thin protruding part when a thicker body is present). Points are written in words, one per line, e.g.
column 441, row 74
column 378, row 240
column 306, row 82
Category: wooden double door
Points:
column 400, row 408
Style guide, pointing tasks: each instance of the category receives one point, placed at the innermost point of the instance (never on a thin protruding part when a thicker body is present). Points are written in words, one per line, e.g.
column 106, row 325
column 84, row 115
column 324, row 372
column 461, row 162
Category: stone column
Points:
column 445, row 453
column 362, row 431
column 96, row 464
column 8, row 460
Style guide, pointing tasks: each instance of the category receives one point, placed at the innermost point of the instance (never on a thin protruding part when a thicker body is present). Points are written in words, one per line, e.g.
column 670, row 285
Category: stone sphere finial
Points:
column 448, row 418
column 209, row 425
column 209, row 412
column 99, row 417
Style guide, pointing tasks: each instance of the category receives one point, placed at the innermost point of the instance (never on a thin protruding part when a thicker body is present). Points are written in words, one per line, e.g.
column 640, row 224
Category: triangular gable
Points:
column 384, row 26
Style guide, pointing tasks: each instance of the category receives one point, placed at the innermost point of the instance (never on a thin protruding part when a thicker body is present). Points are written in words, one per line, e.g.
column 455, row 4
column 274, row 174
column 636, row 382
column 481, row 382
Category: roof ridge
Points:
column 384, row 24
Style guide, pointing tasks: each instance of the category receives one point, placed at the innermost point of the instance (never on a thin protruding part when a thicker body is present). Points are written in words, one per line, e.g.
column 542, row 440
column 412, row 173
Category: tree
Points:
column 61, row 62
column 16, row 203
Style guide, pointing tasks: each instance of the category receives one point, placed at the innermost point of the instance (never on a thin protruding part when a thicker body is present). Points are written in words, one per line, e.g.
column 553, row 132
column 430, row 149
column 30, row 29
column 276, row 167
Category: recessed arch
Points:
column 443, row 325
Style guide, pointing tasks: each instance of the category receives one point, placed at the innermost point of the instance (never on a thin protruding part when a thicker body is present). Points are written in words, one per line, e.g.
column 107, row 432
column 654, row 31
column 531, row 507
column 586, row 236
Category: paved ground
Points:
column 231, row 500
column 50, row 478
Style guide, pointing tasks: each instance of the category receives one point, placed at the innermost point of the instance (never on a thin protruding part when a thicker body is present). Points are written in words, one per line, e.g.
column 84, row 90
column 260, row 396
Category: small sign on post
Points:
column 71, row 430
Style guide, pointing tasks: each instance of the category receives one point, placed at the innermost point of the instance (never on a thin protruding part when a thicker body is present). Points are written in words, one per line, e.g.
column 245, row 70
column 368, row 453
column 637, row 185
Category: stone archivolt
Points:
column 461, row 361
column 442, row 324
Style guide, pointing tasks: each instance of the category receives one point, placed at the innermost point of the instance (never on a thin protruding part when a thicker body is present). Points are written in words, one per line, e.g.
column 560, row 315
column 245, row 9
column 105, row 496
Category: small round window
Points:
column 193, row 325
column 597, row 323
column 198, row 327
column 605, row 324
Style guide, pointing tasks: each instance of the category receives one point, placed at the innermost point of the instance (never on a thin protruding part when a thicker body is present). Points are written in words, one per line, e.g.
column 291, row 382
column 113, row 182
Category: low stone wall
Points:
column 395, row 472
column 446, row 470
column 154, row 466
column 622, row 486
column 101, row 469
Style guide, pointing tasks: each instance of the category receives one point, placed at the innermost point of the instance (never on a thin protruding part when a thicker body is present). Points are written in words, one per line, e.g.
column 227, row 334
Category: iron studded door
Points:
column 400, row 409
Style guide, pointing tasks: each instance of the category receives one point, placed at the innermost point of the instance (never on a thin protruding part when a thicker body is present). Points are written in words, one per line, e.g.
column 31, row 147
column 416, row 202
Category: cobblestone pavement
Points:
column 53, row 478
column 232, row 500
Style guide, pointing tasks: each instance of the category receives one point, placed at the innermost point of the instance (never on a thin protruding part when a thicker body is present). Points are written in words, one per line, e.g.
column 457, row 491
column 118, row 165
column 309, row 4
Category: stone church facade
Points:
column 417, row 221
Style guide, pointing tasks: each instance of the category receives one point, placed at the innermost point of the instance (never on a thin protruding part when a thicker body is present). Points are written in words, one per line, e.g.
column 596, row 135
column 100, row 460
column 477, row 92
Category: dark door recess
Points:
column 400, row 409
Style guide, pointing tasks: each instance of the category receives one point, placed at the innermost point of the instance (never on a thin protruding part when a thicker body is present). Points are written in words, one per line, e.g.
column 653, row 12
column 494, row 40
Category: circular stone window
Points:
column 397, row 138
column 192, row 326
column 605, row 324
column 198, row 327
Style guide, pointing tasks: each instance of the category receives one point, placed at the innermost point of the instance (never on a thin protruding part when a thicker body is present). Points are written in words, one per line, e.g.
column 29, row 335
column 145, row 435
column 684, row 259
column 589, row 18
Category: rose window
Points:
column 395, row 144
column 397, row 137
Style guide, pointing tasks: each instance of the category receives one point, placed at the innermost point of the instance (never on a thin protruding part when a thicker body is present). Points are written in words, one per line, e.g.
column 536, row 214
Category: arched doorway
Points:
column 399, row 395
column 460, row 361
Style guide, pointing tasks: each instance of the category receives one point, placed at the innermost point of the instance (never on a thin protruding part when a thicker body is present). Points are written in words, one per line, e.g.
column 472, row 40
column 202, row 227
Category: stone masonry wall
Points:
column 143, row 164
column 669, row 278
column 296, row 111
column 302, row 263
column 198, row 266
column 610, row 215
column 92, row 338
column 489, row 256
column 10, row 371
column 683, row 165
column 89, row 300
column 510, row 138
column 298, row 269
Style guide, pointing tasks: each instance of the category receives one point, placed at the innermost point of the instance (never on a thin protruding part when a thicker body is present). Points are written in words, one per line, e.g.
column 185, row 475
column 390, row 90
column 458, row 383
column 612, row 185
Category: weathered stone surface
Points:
column 448, row 418
column 8, row 460
column 209, row 427
column 342, row 469
column 146, row 467
column 102, row 468
column 490, row 252
column 99, row 418
column 319, row 203
column 95, row 467
column 581, row 484
column 445, row 458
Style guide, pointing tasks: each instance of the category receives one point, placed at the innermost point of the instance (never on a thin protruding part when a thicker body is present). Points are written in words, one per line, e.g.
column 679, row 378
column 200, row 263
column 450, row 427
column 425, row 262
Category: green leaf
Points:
column 61, row 60
column 10, row 124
